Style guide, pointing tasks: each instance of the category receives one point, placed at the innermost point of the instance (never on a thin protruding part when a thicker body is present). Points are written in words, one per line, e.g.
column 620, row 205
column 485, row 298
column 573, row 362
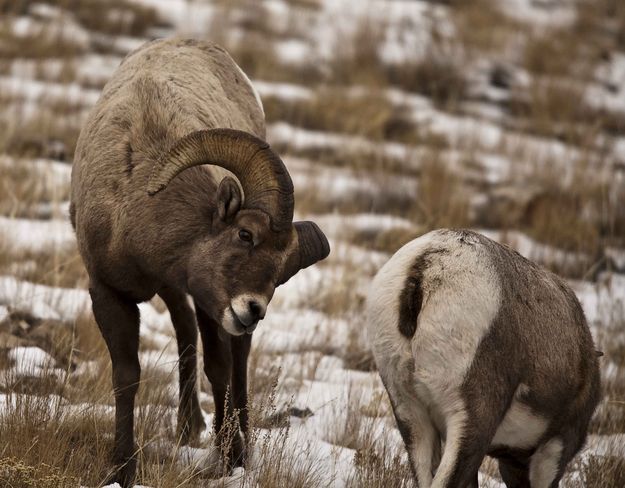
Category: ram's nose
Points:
column 249, row 309
column 256, row 310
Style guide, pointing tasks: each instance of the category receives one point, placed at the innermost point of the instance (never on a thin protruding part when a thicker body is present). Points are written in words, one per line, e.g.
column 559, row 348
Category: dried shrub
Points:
column 17, row 474
column 380, row 467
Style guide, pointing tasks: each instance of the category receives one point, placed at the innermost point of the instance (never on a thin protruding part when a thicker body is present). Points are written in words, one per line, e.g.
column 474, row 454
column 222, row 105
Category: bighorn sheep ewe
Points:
column 149, row 220
column 482, row 350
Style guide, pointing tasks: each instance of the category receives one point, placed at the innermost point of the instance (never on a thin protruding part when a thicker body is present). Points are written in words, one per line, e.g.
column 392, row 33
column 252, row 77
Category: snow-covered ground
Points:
column 311, row 343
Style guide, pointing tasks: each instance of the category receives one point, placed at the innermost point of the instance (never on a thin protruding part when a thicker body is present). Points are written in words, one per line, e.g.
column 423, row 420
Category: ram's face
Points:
column 233, row 274
column 252, row 245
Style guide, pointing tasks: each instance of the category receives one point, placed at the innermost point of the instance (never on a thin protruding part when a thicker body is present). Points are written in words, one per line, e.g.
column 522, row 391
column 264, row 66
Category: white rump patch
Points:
column 388, row 345
column 461, row 298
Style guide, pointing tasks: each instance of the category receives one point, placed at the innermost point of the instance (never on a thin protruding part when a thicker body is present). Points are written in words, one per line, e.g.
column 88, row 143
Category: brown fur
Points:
column 184, row 240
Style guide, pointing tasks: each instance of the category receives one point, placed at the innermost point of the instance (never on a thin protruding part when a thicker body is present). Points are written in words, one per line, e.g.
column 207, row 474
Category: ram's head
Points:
column 253, row 245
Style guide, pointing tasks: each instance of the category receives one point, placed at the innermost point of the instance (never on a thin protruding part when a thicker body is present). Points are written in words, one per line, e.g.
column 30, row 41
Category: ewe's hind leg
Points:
column 118, row 320
column 547, row 464
column 415, row 426
column 515, row 474
column 463, row 453
column 190, row 420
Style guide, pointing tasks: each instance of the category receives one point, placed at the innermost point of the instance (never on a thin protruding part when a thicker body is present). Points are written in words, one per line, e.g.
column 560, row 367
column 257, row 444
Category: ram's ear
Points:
column 229, row 199
column 312, row 246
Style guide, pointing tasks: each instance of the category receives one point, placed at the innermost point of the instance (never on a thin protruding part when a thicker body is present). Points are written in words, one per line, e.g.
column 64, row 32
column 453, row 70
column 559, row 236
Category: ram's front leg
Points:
column 190, row 420
column 218, row 369
column 240, row 351
column 118, row 320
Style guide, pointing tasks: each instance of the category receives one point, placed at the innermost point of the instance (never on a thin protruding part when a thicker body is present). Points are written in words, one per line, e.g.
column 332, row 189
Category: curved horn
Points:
column 312, row 246
column 265, row 180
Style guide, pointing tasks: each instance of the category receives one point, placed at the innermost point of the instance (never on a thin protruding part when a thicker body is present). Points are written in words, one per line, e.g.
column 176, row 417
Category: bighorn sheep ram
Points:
column 482, row 350
column 150, row 219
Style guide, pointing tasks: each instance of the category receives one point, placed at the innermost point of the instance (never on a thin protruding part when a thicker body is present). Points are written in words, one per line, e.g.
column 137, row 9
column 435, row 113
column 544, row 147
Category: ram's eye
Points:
column 245, row 235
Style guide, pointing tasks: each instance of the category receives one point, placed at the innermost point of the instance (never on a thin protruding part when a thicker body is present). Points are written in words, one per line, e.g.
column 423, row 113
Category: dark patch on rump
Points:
column 411, row 298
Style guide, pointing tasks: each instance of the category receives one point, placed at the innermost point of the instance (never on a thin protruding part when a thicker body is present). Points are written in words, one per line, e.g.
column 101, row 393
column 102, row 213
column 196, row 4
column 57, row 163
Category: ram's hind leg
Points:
column 118, row 320
column 190, row 419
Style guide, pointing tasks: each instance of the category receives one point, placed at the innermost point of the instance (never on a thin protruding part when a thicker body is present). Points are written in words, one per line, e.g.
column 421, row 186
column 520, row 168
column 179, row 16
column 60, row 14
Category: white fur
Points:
column 229, row 323
column 455, row 432
column 544, row 464
column 520, row 428
column 461, row 297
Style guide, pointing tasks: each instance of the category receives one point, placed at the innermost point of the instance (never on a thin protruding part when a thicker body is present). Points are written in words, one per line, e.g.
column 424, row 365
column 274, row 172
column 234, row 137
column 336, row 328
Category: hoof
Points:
column 123, row 472
column 190, row 429
column 233, row 453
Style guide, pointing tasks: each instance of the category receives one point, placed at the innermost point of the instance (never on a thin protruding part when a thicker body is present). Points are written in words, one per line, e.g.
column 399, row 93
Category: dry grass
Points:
column 56, row 266
column 51, row 133
column 483, row 27
column 24, row 190
column 370, row 115
column 437, row 75
column 603, row 21
column 51, row 443
column 387, row 241
column 442, row 199
column 119, row 17
column 582, row 215
column 40, row 43
column 381, row 466
column 545, row 109
column 602, row 471
column 16, row 474
column 78, row 446
column 550, row 54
